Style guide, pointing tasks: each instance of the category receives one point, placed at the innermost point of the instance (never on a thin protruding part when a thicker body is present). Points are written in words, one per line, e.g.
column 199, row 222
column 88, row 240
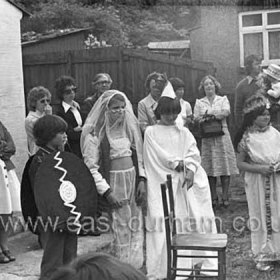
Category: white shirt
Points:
column 74, row 110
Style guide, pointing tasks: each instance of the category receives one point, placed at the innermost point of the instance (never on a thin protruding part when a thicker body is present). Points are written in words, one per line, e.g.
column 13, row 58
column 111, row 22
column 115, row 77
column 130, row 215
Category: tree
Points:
column 60, row 14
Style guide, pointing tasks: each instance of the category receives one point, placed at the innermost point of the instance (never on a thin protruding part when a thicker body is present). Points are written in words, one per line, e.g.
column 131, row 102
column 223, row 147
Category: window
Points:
column 259, row 33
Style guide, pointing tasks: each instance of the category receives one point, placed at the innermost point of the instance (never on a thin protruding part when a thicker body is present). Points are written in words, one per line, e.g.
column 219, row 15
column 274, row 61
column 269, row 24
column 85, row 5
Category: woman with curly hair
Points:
column 38, row 103
column 217, row 153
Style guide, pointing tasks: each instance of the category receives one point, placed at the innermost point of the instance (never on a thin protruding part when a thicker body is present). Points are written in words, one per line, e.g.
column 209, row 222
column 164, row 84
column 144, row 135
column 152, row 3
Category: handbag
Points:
column 210, row 126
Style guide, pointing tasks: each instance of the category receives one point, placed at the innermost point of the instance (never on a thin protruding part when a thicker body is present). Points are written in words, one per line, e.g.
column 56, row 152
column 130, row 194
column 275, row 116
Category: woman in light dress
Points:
column 9, row 192
column 217, row 153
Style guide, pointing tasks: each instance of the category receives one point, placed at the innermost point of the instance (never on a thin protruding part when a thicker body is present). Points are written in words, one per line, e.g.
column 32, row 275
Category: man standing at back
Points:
column 246, row 87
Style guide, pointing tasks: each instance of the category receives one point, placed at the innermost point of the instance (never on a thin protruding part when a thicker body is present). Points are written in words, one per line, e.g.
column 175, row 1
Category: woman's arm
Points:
column 223, row 110
column 243, row 165
column 9, row 147
column 91, row 155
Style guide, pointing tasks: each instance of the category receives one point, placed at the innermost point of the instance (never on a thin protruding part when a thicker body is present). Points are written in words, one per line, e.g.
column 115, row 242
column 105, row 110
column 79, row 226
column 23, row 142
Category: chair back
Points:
column 168, row 207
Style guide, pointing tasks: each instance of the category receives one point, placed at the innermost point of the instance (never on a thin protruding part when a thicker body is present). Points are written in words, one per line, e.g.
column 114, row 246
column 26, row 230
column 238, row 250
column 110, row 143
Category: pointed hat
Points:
column 168, row 91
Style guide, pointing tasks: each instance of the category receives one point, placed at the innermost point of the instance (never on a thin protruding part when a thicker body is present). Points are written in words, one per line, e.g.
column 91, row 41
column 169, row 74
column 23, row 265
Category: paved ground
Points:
column 27, row 264
column 24, row 245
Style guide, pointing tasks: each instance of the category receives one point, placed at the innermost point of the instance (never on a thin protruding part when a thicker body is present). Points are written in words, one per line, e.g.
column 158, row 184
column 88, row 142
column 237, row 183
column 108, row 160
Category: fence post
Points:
column 69, row 63
column 120, row 68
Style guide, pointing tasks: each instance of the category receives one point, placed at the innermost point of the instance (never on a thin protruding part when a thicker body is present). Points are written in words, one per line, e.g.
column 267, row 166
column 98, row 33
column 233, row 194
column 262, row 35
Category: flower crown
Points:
column 255, row 102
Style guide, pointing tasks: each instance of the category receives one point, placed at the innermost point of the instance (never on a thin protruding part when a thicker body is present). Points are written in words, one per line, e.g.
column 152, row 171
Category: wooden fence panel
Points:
column 127, row 67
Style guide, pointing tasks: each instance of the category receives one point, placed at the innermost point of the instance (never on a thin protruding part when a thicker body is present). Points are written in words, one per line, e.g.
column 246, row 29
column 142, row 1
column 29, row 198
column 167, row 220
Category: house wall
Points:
column 67, row 42
column 217, row 41
column 12, row 111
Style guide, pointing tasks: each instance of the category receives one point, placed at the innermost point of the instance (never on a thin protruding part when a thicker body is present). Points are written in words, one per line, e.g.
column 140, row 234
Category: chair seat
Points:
column 199, row 241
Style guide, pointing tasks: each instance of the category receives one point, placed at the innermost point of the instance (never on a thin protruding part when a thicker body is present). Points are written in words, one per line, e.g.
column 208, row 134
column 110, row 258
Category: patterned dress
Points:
column 217, row 153
column 263, row 192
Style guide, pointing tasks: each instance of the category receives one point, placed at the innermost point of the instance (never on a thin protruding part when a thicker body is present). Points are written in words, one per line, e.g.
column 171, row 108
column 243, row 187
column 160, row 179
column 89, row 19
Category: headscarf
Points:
column 99, row 122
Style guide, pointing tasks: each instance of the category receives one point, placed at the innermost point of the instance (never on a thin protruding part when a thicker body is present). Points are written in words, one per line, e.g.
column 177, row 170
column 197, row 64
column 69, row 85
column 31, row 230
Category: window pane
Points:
column 274, row 44
column 253, row 44
column 273, row 18
column 252, row 20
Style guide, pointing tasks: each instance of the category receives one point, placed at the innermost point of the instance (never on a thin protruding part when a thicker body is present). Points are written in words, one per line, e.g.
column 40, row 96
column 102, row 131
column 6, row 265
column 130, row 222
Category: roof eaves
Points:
column 52, row 36
column 20, row 7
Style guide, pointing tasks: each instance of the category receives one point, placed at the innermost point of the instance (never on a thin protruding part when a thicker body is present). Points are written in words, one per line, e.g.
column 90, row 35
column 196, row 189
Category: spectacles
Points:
column 42, row 101
column 70, row 90
column 119, row 110
column 103, row 83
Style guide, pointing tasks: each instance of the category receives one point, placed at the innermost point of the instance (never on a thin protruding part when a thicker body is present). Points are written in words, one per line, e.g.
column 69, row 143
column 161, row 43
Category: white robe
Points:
column 164, row 147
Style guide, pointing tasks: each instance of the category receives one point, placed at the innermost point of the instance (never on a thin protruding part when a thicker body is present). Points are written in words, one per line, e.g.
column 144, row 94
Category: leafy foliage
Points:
column 120, row 22
column 60, row 14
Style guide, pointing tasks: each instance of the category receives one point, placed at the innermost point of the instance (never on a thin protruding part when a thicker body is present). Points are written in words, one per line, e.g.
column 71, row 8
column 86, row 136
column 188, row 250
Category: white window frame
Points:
column 264, row 29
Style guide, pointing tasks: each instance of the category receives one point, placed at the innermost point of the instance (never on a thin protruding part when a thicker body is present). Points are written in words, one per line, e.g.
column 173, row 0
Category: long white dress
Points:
column 263, row 193
column 164, row 146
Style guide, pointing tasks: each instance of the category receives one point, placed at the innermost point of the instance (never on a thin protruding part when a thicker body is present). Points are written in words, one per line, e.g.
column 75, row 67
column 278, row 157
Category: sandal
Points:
column 3, row 258
column 9, row 255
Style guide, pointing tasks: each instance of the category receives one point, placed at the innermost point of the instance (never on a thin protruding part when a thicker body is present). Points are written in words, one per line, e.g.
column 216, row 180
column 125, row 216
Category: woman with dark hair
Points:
column 217, row 153
column 98, row 266
column 38, row 103
column 170, row 149
column 184, row 118
column 112, row 149
column 100, row 83
column 258, row 157
column 69, row 110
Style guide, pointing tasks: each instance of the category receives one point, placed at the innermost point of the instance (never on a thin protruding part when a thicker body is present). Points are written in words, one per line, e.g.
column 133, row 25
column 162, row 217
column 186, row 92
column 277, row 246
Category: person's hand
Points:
column 48, row 110
column 265, row 169
column 188, row 179
column 113, row 201
column 180, row 166
column 141, row 194
column 78, row 128
column 219, row 116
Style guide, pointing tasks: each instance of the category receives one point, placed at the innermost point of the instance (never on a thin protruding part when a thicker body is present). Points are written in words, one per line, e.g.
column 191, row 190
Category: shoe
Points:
column 9, row 255
column 90, row 233
column 261, row 266
column 3, row 258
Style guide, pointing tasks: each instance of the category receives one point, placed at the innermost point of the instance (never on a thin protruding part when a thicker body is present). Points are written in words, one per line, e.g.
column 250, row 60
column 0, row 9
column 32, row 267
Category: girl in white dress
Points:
column 258, row 157
column 170, row 149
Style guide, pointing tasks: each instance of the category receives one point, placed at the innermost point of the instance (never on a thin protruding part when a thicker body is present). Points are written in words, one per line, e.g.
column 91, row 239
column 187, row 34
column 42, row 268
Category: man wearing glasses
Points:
column 101, row 82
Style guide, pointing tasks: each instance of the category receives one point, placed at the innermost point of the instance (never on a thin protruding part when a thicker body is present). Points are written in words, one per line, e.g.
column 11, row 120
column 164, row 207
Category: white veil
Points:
column 96, row 123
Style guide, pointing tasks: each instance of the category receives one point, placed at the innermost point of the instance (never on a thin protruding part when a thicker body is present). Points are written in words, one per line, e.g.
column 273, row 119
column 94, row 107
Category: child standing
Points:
column 258, row 156
column 60, row 247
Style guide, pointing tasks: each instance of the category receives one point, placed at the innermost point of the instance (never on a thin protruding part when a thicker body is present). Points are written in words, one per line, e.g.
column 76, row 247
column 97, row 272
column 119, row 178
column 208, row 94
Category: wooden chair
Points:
column 189, row 241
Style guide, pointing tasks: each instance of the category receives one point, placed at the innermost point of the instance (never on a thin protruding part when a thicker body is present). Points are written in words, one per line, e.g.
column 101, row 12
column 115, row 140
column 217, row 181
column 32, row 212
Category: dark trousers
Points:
column 60, row 249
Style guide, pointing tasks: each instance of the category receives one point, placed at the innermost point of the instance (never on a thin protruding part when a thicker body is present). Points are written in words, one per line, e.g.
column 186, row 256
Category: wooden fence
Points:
column 127, row 67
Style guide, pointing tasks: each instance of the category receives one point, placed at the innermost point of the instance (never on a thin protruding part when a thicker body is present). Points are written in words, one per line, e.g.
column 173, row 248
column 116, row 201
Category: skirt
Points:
column 127, row 221
column 9, row 190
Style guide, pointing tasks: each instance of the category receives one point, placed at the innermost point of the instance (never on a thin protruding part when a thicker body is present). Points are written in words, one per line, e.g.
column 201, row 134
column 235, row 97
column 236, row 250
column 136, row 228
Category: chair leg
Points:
column 222, row 265
column 174, row 263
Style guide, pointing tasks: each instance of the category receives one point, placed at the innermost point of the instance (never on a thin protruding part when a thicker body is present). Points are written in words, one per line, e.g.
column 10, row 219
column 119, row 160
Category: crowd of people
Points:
column 129, row 156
